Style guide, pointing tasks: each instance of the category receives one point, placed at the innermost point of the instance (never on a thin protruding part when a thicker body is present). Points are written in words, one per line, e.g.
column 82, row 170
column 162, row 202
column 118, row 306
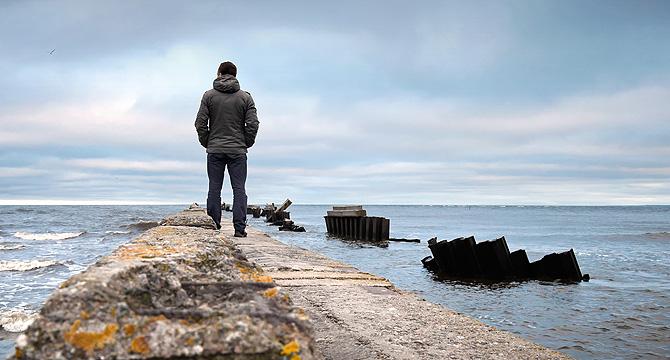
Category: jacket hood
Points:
column 226, row 84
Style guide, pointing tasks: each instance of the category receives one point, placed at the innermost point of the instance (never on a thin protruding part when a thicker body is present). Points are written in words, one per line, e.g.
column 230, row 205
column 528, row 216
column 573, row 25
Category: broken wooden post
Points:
column 285, row 205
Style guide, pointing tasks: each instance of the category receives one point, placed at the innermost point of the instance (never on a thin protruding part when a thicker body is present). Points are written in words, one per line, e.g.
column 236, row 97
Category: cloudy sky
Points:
column 386, row 102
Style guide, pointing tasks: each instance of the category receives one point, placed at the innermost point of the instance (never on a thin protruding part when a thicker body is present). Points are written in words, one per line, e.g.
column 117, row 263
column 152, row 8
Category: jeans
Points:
column 237, row 170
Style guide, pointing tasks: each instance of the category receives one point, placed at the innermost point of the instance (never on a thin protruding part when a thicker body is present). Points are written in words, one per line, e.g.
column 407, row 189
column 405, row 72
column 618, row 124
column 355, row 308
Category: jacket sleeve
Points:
column 250, row 123
column 202, row 121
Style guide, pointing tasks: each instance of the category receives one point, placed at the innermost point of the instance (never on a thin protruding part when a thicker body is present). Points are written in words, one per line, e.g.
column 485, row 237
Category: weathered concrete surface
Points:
column 362, row 316
column 173, row 292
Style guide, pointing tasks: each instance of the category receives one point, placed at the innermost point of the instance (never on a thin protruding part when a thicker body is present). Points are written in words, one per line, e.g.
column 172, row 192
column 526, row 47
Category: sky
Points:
column 372, row 102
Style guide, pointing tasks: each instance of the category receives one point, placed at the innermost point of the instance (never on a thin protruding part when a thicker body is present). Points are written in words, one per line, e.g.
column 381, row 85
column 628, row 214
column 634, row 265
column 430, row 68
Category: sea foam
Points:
column 16, row 320
column 47, row 236
column 117, row 232
column 11, row 247
column 13, row 265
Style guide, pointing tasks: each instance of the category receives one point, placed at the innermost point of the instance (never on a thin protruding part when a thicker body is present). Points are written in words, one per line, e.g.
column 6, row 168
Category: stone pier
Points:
column 181, row 290
column 186, row 291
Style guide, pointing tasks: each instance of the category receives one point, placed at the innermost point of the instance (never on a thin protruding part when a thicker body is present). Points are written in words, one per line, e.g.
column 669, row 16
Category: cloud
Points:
column 443, row 102
column 148, row 166
column 9, row 172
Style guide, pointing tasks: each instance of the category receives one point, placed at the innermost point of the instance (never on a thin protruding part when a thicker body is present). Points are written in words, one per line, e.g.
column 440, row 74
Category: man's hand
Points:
column 204, row 139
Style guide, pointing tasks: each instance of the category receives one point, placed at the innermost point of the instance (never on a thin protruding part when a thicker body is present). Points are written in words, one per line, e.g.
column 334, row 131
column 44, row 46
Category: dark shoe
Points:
column 218, row 226
column 240, row 234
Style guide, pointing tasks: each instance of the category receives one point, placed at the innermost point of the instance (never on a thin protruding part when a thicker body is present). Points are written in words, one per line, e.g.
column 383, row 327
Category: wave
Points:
column 10, row 246
column 16, row 320
column 13, row 265
column 658, row 235
column 142, row 225
column 48, row 236
column 117, row 232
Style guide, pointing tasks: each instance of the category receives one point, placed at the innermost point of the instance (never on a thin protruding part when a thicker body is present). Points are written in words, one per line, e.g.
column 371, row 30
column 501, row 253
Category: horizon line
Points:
column 37, row 202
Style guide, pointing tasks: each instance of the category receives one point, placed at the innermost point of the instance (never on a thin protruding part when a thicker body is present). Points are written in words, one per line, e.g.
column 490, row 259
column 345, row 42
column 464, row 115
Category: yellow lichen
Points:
column 84, row 315
column 252, row 274
column 90, row 341
column 243, row 269
column 128, row 329
column 114, row 312
column 262, row 278
column 139, row 345
column 270, row 292
column 290, row 349
column 18, row 353
column 295, row 357
column 190, row 341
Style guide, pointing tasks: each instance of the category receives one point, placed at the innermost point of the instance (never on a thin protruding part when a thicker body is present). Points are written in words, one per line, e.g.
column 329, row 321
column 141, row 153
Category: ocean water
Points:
column 41, row 246
column 623, row 312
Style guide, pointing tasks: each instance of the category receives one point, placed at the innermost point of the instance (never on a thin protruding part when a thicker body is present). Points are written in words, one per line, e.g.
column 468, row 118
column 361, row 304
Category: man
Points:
column 227, row 125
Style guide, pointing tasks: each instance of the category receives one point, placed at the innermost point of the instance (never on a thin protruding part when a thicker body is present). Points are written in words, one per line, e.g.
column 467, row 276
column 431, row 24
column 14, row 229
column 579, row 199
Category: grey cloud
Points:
column 359, row 101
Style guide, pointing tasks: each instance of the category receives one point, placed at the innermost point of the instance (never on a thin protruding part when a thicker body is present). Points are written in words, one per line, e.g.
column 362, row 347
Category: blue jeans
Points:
column 237, row 170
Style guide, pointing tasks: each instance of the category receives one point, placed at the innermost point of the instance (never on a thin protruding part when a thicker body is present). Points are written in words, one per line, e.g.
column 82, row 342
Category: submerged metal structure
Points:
column 352, row 222
column 464, row 258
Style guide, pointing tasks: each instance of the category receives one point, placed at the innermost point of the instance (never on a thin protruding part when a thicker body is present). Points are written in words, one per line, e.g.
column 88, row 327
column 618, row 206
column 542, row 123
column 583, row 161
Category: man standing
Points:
column 227, row 125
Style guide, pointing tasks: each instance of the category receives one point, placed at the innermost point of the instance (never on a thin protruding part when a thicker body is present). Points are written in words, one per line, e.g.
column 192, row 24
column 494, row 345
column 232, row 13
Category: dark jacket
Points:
column 227, row 121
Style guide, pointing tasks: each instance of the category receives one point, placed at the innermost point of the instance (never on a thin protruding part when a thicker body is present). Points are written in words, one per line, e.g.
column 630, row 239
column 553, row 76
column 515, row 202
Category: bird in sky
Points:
column 52, row 51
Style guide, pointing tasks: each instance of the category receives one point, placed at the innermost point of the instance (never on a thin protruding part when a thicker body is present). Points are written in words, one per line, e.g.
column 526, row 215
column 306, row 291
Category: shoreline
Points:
column 350, row 314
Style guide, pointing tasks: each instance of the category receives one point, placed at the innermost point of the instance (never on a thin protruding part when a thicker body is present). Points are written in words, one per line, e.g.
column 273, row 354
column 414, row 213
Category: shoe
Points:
column 240, row 234
column 218, row 226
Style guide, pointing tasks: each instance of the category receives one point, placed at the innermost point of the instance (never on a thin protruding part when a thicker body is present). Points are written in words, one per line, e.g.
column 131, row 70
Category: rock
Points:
column 288, row 225
column 196, row 217
column 173, row 292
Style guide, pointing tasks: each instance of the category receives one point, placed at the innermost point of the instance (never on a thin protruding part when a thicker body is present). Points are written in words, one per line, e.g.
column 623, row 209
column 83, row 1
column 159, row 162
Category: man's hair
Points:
column 227, row 68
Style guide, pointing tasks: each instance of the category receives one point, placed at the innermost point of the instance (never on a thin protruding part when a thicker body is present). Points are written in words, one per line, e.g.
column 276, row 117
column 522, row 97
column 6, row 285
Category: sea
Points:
column 623, row 312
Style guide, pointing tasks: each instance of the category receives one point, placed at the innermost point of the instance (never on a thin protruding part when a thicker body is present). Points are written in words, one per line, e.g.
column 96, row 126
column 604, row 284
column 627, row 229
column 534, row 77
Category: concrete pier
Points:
column 356, row 315
column 181, row 290
column 190, row 292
